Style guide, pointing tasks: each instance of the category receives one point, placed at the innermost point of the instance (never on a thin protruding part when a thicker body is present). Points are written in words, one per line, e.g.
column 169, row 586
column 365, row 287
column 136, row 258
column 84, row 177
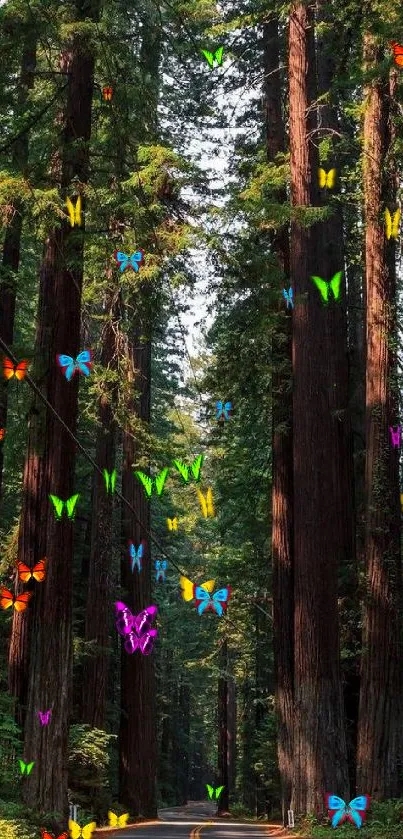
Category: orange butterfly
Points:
column 2, row 433
column 19, row 601
column 38, row 572
column 397, row 53
column 46, row 835
column 18, row 370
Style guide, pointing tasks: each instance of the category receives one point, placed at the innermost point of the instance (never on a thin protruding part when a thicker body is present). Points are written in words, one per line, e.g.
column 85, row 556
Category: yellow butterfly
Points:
column 76, row 831
column 392, row 224
column 117, row 821
column 187, row 587
column 401, row 500
column 206, row 503
column 74, row 212
column 327, row 179
column 172, row 524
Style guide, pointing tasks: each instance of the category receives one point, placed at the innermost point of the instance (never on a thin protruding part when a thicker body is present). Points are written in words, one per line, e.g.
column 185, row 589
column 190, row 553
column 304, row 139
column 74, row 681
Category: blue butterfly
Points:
column 223, row 410
column 216, row 603
column 160, row 568
column 288, row 296
column 339, row 811
column 136, row 555
column 70, row 366
column 134, row 261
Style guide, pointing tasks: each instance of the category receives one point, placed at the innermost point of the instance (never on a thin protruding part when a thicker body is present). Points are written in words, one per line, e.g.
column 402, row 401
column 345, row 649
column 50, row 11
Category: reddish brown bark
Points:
column 380, row 729
column 137, row 736
column 319, row 536
column 223, row 777
column 49, row 465
column 282, row 498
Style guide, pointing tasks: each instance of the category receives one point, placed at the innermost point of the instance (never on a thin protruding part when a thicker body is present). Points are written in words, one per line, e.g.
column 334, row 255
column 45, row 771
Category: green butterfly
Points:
column 26, row 768
column 110, row 480
column 158, row 481
column 195, row 468
column 214, row 793
column 324, row 286
column 59, row 505
column 214, row 56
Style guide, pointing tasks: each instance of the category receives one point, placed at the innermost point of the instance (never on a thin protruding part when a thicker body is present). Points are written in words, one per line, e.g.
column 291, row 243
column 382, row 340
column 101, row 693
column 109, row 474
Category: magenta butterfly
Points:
column 136, row 629
column 44, row 716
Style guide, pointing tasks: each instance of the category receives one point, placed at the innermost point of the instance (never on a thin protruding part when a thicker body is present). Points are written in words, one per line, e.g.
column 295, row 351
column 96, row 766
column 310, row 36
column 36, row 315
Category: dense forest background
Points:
column 213, row 172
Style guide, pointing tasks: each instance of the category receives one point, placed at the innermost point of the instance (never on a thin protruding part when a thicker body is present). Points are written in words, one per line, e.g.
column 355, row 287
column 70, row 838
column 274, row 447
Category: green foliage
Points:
column 89, row 758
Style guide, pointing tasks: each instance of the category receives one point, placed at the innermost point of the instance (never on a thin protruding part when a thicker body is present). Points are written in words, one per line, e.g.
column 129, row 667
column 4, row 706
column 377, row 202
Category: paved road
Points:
column 195, row 821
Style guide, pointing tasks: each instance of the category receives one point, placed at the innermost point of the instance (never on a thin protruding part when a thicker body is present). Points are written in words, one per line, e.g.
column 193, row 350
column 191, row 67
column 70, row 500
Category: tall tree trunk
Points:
column 49, row 467
column 223, row 803
column 8, row 289
column 332, row 250
column 138, row 744
column 380, row 729
column 232, row 731
column 318, row 534
column 282, row 487
column 98, row 622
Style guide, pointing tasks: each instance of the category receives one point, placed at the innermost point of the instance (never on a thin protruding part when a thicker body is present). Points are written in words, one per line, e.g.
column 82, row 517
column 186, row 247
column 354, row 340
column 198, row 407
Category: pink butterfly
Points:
column 44, row 716
column 136, row 629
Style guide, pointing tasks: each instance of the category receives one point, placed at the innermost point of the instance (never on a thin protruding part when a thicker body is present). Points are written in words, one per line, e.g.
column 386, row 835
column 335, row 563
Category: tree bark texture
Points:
column 223, row 802
column 320, row 754
column 380, row 716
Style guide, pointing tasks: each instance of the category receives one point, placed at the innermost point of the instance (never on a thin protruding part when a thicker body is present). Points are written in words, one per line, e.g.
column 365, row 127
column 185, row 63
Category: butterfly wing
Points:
column 209, row 56
column 83, row 362
column 29, row 767
column 356, row 811
column 39, row 571
column 196, row 466
column 124, row 617
column 122, row 259
column 71, row 505
column 113, row 480
column 203, row 502
column 106, row 478
column 77, row 212
column 146, row 481
column 113, row 819
column 21, row 369
column 70, row 209
column 160, row 480
column 21, row 601
column 146, row 641
column 67, row 364
column 388, row 223
column 8, row 368
column 58, row 505
column 136, row 260
column 331, row 178
column 182, row 469
column 335, row 284
column 218, row 55
column 220, row 600
column 210, row 502
column 219, row 409
column 22, row 766
column 322, row 286
column 322, row 178
column 123, row 819
column 88, row 830
column 395, row 225
column 24, row 572
column 6, row 598
column 337, row 809
column 187, row 588
column 210, row 790
column 202, row 598
column 218, row 792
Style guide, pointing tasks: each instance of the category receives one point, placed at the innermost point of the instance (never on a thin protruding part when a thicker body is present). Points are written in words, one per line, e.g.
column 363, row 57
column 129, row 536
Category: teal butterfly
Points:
column 158, row 482
column 214, row 56
column 332, row 285
column 59, row 506
column 194, row 468
column 214, row 793
column 26, row 768
column 110, row 480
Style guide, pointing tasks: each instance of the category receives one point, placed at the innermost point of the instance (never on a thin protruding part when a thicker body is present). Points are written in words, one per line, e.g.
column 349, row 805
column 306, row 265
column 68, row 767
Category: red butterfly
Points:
column 2, row 433
column 46, row 835
column 38, row 572
column 19, row 601
column 18, row 370
column 397, row 53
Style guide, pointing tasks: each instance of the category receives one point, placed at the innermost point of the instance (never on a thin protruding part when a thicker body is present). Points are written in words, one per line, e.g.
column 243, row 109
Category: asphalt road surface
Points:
column 195, row 821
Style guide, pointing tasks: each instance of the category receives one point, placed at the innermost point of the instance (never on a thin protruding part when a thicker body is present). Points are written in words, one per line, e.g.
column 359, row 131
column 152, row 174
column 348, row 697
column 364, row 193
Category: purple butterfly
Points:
column 136, row 629
column 44, row 716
